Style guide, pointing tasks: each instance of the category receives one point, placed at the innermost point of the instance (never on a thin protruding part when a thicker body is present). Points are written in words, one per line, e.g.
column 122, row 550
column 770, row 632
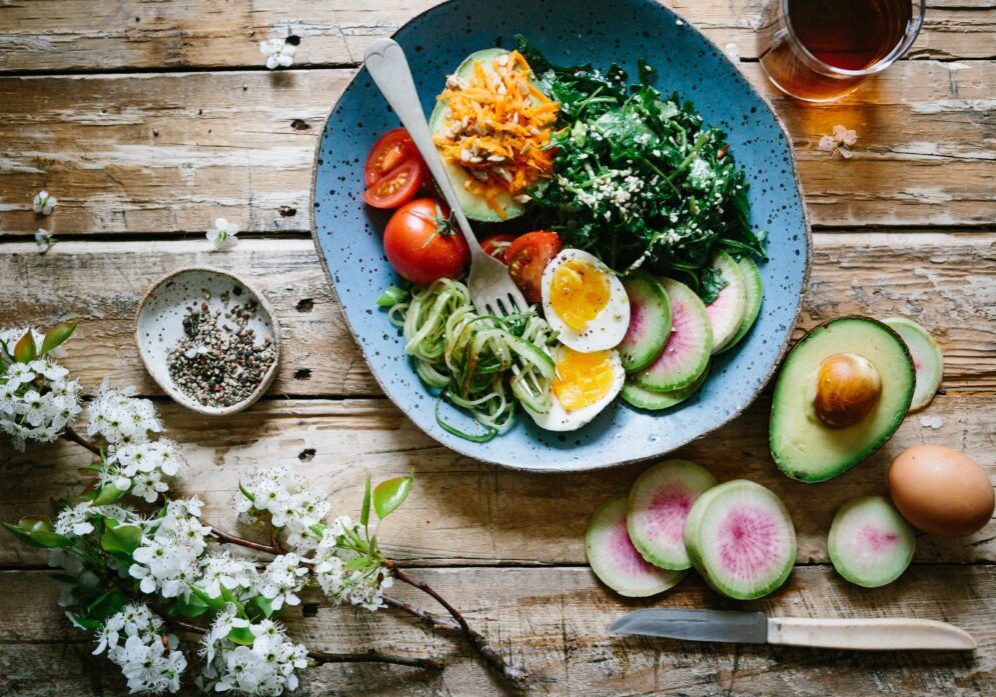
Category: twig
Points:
column 427, row 618
column 73, row 437
column 476, row 640
column 375, row 657
column 330, row 657
column 274, row 549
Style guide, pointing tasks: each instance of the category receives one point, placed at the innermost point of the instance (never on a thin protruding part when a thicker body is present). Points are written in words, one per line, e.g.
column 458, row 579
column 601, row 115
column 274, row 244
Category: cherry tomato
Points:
column 496, row 245
column 422, row 243
column 397, row 186
column 527, row 256
column 388, row 152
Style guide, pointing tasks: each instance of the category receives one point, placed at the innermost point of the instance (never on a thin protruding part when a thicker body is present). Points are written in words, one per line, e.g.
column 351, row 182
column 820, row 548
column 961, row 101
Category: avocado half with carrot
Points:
column 491, row 182
column 842, row 392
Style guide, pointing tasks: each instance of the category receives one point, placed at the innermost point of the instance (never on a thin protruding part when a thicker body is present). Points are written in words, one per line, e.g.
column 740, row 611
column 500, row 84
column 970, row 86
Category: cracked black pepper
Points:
column 218, row 362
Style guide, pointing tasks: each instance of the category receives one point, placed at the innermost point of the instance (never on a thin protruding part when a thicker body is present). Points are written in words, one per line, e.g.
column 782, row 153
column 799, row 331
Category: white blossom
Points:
column 839, row 142
column 224, row 235
column 44, row 240
column 141, row 467
column 148, row 666
column 237, row 575
column 291, row 505
column 43, row 204
column 278, row 53
column 74, row 521
column 267, row 668
column 37, row 400
column 282, row 579
column 120, row 418
column 364, row 586
column 167, row 560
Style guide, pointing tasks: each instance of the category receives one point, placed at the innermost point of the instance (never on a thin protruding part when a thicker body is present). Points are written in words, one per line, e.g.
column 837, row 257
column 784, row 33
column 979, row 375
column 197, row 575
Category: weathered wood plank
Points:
column 170, row 152
column 942, row 280
column 552, row 623
column 489, row 515
column 49, row 35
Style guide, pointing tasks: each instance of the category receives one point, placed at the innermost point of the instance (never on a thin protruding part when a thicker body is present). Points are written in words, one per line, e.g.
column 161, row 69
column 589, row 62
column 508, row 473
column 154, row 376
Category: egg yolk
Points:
column 579, row 291
column 582, row 378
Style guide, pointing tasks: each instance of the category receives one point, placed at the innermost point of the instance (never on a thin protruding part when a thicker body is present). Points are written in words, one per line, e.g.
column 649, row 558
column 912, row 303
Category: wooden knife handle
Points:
column 869, row 634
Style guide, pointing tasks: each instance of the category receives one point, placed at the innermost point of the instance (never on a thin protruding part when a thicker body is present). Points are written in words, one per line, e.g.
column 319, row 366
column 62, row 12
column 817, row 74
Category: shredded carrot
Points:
column 498, row 126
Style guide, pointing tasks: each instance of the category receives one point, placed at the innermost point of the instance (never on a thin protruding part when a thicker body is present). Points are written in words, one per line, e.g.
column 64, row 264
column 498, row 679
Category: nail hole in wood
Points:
column 306, row 455
column 302, row 374
column 306, row 305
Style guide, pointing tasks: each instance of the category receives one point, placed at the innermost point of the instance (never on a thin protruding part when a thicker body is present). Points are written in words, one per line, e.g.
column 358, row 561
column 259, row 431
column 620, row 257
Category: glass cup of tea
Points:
column 819, row 50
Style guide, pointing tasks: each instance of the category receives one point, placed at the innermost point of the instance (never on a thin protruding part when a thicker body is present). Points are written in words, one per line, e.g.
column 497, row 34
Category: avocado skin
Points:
column 860, row 450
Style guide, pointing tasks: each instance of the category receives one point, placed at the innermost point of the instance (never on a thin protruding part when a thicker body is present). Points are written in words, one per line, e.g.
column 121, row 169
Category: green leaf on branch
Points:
column 390, row 494
column 57, row 335
column 365, row 508
column 242, row 635
column 264, row 605
column 105, row 494
column 216, row 604
column 120, row 539
column 39, row 532
column 84, row 622
column 247, row 493
column 106, row 604
column 25, row 350
column 194, row 608
column 355, row 564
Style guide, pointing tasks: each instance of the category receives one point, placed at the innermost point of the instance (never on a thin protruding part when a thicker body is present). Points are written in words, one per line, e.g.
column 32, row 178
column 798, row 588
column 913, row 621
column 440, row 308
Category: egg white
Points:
column 608, row 327
column 558, row 418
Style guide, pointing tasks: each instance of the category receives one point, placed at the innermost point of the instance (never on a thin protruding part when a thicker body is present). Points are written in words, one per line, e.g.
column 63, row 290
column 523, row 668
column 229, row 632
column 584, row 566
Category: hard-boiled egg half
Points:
column 584, row 302
column 583, row 385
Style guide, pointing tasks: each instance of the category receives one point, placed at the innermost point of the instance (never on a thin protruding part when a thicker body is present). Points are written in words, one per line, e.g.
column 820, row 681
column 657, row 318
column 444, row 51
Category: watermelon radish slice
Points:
column 928, row 361
column 686, row 353
column 740, row 538
column 658, row 504
column 614, row 559
column 657, row 401
column 870, row 544
column 649, row 322
column 727, row 311
column 755, row 292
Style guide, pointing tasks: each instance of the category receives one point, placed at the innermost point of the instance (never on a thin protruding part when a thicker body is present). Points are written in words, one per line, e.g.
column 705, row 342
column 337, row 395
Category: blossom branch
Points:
column 74, row 437
column 227, row 537
column 427, row 618
column 476, row 639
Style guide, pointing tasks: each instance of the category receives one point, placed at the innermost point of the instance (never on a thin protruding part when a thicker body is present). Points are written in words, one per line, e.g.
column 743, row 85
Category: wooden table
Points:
column 149, row 119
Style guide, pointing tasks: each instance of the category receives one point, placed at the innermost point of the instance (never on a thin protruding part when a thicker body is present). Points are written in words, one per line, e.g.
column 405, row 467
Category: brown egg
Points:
column 941, row 491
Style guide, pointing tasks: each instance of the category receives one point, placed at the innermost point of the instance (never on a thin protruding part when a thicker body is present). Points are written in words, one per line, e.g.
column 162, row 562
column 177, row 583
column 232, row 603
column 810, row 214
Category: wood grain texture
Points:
column 463, row 511
column 170, row 152
column 943, row 281
column 552, row 623
column 67, row 35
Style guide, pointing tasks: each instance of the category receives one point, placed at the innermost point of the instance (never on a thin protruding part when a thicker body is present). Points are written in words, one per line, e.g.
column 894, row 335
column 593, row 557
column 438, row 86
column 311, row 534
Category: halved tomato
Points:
column 397, row 187
column 390, row 150
column 527, row 256
column 497, row 245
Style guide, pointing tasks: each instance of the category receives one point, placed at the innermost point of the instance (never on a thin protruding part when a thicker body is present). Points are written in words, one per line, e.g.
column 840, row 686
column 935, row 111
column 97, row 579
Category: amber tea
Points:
column 818, row 50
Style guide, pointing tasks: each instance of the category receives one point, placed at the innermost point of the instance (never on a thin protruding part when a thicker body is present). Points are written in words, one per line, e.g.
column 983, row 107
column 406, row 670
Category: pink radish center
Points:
column 718, row 307
column 666, row 514
column 636, row 318
column 876, row 539
column 676, row 348
column 749, row 542
column 626, row 558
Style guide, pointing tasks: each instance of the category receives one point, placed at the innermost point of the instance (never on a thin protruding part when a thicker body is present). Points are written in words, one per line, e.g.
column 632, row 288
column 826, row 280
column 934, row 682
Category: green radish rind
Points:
column 727, row 312
column 658, row 401
column 690, row 332
column 703, row 525
column 800, row 445
column 870, row 543
column 614, row 559
column 666, row 490
column 755, row 294
column 474, row 207
column 652, row 311
column 928, row 361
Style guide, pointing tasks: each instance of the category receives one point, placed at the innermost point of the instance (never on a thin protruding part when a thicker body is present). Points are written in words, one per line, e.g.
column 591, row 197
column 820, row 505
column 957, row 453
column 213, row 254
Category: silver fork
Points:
column 491, row 289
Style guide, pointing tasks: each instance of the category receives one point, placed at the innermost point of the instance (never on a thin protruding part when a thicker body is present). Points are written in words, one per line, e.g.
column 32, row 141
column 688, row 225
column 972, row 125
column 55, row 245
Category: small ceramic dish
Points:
column 159, row 326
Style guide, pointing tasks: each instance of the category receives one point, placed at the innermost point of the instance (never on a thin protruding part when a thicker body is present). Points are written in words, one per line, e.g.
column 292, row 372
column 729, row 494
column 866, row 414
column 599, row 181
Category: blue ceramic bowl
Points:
column 348, row 234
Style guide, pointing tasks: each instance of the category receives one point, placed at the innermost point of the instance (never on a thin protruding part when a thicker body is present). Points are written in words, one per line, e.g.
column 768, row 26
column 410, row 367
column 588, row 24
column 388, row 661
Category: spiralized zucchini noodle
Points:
column 481, row 363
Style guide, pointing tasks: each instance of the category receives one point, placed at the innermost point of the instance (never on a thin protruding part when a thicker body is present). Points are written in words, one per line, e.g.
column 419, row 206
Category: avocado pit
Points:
column 848, row 387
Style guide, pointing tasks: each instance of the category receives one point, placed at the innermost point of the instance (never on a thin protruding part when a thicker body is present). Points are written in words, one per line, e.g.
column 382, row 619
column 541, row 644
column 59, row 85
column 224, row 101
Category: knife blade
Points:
column 873, row 634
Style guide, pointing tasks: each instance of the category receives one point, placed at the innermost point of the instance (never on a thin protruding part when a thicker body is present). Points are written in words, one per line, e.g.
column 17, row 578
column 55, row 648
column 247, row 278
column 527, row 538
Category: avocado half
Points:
column 805, row 449
column 474, row 207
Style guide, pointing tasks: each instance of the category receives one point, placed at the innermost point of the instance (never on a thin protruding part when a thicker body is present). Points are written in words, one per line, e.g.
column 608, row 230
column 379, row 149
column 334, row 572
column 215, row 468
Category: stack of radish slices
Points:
column 672, row 334
column 737, row 535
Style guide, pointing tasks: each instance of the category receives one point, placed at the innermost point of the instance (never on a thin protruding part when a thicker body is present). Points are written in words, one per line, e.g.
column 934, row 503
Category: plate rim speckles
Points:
column 553, row 460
